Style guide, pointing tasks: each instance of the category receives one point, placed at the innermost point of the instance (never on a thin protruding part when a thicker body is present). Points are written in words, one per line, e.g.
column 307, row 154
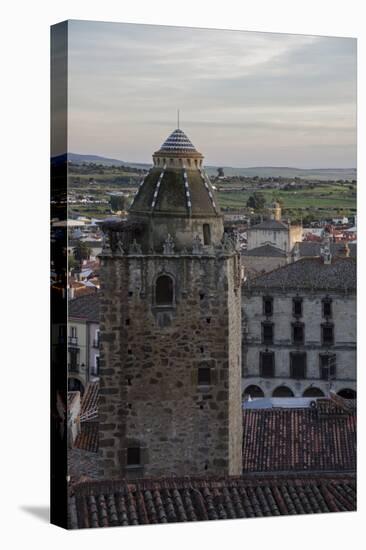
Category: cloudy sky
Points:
column 245, row 98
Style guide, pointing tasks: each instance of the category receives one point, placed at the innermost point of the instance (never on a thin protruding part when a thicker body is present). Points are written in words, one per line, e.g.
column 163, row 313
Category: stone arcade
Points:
column 170, row 365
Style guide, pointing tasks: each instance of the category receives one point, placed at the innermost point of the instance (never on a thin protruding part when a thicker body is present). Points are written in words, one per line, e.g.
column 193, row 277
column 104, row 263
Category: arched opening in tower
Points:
column 164, row 291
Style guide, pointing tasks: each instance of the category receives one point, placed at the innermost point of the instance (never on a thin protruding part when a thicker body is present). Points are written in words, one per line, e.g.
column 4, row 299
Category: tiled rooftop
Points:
column 90, row 398
column 310, row 273
column 312, row 249
column 85, row 307
column 178, row 141
column 310, row 439
column 266, row 250
column 112, row 503
column 272, row 225
column 88, row 437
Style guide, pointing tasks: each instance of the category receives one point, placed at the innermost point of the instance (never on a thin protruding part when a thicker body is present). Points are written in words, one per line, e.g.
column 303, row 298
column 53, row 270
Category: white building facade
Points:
column 299, row 330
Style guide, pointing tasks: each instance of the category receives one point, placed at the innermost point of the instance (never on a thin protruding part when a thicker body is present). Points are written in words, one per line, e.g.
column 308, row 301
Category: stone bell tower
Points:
column 170, row 364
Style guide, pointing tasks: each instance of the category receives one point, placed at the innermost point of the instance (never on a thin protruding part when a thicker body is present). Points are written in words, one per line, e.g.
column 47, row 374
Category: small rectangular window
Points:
column 298, row 365
column 133, row 456
column 268, row 306
column 206, row 234
column 327, row 334
column 327, row 307
column 297, row 333
column 267, row 364
column 297, row 307
column 204, row 376
column 267, row 333
column 327, row 363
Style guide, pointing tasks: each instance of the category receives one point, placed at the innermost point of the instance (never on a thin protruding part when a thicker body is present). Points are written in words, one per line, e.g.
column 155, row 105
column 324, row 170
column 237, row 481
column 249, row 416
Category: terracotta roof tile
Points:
column 85, row 306
column 88, row 437
column 309, row 273
column 320, row 439
column 170, row 500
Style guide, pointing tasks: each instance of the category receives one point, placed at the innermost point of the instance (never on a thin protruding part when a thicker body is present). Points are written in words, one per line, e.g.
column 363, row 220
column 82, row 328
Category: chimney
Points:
column 296, row 252
column 344, row 250
column 325, row 253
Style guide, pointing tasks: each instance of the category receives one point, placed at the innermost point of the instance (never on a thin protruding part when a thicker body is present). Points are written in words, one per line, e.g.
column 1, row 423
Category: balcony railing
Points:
column 73, row 342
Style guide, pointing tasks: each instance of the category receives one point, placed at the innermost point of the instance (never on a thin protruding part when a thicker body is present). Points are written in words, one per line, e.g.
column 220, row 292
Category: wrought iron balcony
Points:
column 73, row 342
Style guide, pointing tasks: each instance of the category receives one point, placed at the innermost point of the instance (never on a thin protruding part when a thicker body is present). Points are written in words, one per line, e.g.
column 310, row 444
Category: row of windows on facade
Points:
column 297, row 306
column 298, row 360
column 73, row 336
column 298, row 333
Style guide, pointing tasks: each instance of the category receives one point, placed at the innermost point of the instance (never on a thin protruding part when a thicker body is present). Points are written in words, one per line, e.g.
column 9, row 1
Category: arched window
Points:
column 313, row 392
column 252, row 391
column 164, row 291
column 282, row 391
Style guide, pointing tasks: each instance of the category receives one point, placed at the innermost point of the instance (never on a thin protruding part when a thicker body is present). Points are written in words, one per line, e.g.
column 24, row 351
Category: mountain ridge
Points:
column 250, row 171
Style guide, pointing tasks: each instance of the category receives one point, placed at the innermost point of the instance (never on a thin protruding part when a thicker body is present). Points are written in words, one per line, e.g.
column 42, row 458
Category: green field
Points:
column 329, row 197
column 316, row 199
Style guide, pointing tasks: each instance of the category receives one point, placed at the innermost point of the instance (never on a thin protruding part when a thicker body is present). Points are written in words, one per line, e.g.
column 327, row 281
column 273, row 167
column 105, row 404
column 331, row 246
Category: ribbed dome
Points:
column 176, row 185
column 177, row 142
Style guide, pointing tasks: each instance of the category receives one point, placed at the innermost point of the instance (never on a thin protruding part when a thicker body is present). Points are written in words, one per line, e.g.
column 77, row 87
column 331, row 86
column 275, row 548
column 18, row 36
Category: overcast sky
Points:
column 245, row 98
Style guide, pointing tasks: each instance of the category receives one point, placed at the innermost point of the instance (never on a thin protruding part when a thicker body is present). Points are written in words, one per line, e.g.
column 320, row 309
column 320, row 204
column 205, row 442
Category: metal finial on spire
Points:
column 178, row 118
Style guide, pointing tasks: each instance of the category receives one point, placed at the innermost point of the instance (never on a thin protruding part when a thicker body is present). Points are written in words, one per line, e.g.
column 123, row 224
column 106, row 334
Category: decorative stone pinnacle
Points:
column 135, row 248
column 168, row 246
column 197, row 247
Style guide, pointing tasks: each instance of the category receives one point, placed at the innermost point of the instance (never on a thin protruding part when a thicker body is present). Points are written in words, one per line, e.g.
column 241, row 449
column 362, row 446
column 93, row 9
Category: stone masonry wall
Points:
column 149, row 364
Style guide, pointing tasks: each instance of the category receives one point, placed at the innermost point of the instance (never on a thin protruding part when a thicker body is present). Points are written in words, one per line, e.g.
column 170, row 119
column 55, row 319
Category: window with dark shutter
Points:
column 298, row 333
column 267, row 364
column 327, row 366
column 298, row 365
column 327, row 334
column 297, row 307
column 268, row 306
column 267, row 333
column 327, row 307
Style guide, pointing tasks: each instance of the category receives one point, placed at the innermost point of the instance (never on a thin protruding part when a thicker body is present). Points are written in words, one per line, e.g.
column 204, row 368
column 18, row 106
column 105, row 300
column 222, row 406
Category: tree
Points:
column 256, row 201
column 117, row 202
column 72, row 262
column 82, row 251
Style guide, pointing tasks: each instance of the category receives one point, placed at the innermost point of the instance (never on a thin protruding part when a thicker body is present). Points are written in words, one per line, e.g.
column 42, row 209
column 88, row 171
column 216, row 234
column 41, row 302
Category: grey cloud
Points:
column 242, row 90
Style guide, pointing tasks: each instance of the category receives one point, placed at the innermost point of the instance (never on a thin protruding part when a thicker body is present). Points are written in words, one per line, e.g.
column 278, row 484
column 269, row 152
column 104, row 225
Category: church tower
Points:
column 170, row 364
column 276, row 211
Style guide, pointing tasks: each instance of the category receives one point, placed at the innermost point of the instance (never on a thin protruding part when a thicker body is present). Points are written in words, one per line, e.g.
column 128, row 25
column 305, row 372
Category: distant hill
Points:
column 260, row 171
column 80, row 159
column 288, row 172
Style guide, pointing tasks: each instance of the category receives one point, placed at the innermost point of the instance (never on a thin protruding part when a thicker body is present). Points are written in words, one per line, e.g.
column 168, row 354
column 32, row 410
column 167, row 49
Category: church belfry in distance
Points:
column 170, row 368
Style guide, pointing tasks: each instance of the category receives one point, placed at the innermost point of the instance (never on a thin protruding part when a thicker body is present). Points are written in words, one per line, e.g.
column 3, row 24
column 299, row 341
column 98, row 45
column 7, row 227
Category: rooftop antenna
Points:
column 178, row 117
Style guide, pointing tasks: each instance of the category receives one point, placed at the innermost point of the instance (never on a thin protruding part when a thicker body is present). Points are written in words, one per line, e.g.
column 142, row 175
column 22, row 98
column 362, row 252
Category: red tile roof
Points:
column 146, row 501
column 88, row 437
column 90, row 399
column 314, row 439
